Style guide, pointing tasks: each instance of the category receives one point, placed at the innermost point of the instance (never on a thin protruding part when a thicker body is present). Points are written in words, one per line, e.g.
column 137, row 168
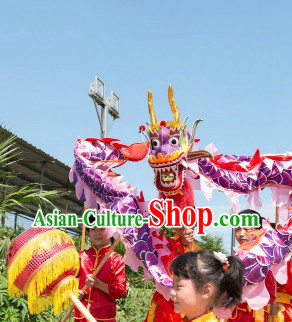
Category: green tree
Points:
column 211, row 243
column 17, row 196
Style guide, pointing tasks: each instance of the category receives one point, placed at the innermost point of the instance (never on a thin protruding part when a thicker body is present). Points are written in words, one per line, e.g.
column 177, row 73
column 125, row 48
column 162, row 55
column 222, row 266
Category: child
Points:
column 202, row 282
column 110, row 282
column 161, row 310
column 242, row 312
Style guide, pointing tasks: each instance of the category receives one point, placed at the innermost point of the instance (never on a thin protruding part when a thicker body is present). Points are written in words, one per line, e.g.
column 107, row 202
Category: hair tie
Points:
column 222, row 258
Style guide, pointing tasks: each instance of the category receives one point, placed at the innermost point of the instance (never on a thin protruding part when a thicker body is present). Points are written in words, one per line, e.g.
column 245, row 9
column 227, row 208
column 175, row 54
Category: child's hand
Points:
column 80, row 294
column 274, row 309
column 89, row 280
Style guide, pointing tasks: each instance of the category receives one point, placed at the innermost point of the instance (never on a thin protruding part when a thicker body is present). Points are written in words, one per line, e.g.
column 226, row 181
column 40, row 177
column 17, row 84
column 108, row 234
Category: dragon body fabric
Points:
column 179, row 169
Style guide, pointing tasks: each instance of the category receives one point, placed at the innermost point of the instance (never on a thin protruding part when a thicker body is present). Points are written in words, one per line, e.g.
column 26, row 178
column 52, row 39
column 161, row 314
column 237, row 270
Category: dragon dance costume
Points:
column 160, row 308
column 243, row 312
column 179, row 169
column 207, row 317
column 283, row 298
column 102, row 306
column 266, row 259
column 284, row 292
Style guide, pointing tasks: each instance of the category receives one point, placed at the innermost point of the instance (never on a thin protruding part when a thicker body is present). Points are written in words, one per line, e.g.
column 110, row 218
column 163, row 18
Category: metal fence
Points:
column 14, row 220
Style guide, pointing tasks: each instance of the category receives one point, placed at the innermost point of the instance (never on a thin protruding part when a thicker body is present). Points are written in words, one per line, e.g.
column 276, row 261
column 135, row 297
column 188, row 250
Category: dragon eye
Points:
column 174, row 141
column 155, row 144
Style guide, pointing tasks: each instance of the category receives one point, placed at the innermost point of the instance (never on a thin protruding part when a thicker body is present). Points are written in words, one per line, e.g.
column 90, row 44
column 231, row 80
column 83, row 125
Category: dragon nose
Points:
column 165, row 149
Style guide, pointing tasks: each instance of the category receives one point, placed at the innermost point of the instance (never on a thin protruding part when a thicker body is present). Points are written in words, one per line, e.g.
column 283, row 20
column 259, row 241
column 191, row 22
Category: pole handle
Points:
column 98, row 268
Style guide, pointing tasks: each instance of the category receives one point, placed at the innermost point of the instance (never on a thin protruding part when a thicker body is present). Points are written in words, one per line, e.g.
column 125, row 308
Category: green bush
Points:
column 15, row 308
column 134, row 307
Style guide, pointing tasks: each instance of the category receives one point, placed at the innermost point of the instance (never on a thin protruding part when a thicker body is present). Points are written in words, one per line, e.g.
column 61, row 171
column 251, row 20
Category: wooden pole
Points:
column 98, row 268
column 83, row 237
column 83, row 233
column 77, row 303
column 274, row 317
column 277, row 217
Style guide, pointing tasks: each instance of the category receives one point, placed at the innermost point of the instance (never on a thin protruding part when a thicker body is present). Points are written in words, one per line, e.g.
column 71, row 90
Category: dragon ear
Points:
column 136, row 151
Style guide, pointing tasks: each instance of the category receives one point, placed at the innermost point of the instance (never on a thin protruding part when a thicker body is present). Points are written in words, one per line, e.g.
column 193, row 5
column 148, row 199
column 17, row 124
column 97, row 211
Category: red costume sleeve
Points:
column 288, row 285
column 117, row 288
column 270, row 285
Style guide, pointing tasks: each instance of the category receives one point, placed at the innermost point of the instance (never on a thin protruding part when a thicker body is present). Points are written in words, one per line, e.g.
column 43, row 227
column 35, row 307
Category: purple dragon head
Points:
column 170, row 147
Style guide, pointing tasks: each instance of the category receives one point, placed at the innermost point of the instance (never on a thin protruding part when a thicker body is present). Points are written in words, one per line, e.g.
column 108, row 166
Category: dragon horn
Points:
column 194, row 132
column 151, row 109
column 195, row 127
column 173, row 105
column 191, row 141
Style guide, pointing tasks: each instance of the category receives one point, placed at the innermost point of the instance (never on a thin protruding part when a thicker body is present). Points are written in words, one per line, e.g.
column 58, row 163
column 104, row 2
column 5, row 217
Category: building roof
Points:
column 35, row 166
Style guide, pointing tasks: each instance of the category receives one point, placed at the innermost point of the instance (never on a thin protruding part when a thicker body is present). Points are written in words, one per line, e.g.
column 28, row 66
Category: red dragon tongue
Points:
column 169, row 179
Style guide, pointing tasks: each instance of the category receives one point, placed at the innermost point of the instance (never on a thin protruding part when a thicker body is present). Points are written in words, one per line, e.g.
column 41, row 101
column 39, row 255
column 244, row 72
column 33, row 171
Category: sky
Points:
column 229, row 63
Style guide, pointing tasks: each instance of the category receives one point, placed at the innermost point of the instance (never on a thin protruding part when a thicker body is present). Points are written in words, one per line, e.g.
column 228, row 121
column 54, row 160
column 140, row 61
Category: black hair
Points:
column 253, row 212
column 202, row 268
column 91, row 220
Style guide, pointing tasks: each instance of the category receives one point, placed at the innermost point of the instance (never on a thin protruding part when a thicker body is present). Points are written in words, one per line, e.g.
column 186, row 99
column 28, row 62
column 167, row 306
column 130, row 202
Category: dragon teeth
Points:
column 173, row 168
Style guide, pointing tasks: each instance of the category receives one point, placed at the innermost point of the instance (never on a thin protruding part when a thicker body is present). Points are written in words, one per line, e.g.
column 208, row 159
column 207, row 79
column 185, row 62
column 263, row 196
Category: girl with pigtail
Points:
column 204, row 282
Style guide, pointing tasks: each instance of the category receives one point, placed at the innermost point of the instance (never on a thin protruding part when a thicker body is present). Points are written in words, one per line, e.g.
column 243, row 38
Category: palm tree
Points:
column 17, row 196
